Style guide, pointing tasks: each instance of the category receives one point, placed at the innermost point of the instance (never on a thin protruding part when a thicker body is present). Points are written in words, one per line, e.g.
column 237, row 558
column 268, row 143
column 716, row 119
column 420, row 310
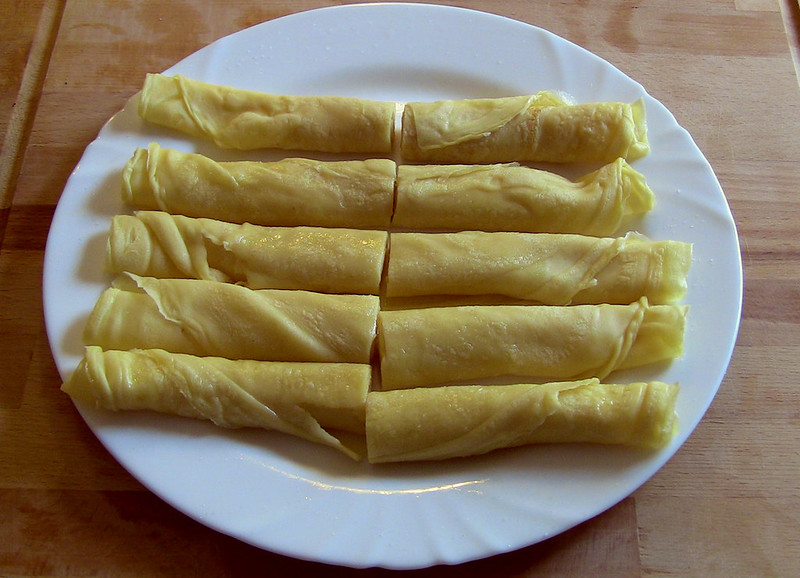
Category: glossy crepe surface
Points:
column 453, row 421
column 511, row 197
column 208, row 318
column 443, row 345
column 289, row 192
column 157, row 244
column 552, row 269
column 301, row 399
column 247, row 119
column 535, row 128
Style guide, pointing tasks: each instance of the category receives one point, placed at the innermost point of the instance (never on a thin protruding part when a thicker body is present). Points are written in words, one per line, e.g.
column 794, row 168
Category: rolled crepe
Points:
column 245, row 119
column 510, row 197
column 535, row 128
column 289, row 192
column 548, row 268
column 207, row 318
column 301, row 399
column 157, row 244
column 446, row 422
column 447, row 345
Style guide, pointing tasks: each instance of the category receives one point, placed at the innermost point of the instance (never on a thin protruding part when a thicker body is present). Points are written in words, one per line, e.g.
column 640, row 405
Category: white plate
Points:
column 306, row 501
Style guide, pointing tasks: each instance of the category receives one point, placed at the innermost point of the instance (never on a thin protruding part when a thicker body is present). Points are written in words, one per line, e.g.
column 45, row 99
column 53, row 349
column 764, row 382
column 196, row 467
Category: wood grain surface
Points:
column 727, row 504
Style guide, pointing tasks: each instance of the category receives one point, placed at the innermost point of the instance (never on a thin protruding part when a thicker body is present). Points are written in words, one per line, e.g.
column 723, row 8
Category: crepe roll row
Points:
column 554, row 269
column 542, row 127
column 378, row 194
column 331, row 404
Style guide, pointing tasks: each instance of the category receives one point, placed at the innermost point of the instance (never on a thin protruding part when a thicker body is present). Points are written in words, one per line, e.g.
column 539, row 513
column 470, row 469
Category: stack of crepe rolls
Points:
column 542, row 127
column 284, row 295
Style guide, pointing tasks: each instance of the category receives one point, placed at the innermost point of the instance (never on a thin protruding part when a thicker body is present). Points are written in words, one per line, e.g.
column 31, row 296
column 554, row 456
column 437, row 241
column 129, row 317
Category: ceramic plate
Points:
column 307, row 501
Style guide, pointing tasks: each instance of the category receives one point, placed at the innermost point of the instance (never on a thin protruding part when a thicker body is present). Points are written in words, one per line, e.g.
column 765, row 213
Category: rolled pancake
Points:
column 447, row 345
column 509, row 197
column 301, row 399
column 246, row 119
column 454, row 421
column 552, row 269
column 534, row 128
column 289, row 192
column 208, row 318
column 157, row 244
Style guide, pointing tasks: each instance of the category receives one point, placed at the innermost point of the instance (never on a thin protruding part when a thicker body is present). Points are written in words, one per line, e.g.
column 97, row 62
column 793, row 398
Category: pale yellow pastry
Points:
column 453, row 421
column 552, row 269
column 289, row 192
column 302, row 399
column 536, row 128
column 208, row 318
column 247, row 119
column 510, row 197
column 157, row 244
column 445, row 345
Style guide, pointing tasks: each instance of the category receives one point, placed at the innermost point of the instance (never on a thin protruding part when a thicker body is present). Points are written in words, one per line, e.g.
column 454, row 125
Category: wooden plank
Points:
column 17, row 116
column 134, row 534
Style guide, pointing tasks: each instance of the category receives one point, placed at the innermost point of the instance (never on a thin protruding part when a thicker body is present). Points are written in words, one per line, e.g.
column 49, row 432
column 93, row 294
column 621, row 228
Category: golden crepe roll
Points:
column 246, row 119
column 157, row 244
column 302, row 399
column 289, row 192
column 208, row 318
column 533, row 128
column 454, row 421
column 447, row 345
column 547, row 268
column 509, row 197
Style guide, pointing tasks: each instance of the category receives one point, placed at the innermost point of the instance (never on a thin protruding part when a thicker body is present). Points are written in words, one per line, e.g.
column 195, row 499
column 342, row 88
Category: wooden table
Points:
column 728, row 504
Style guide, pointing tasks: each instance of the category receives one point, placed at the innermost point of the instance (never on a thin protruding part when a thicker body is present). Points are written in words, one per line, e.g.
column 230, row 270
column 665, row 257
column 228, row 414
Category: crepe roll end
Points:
column 658, row 420
column 82, row 385
column 129, row 246
column 677, row 261
column 639, row 197
column 136, row 186
column 660, row 337
column 640, row 146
